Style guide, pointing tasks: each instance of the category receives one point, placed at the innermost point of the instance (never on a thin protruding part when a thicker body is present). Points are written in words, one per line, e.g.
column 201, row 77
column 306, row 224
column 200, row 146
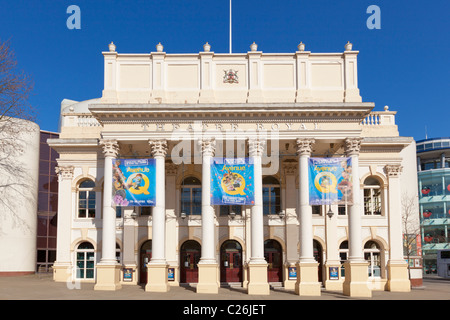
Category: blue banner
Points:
column 330, row 181
column 232, row 181
column 134, row 182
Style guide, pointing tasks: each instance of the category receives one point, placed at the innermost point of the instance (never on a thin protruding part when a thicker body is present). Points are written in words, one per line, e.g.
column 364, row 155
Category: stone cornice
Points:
column 307, row 112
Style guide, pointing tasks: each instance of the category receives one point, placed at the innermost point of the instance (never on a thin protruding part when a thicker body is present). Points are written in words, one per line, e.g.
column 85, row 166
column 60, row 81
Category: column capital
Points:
column 304, row 146
column 158, row 147
column 64, row 172
column 110, row 147
column 208, row 146
column 256, row 147
column 353, row 146
column 393, row 170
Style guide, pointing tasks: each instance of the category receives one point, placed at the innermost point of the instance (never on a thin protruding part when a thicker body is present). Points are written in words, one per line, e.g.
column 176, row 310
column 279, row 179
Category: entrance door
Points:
column 273, row 255
column 318, row 256
column 145, row 257
column 231, row 262
column 189, row 258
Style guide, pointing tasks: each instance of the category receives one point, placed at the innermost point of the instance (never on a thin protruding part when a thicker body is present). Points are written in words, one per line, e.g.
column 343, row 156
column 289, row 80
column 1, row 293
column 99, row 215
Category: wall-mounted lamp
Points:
column 330, row 213
column 281, row 214
column 134, row 214
column 183, row 215
column 232, row 215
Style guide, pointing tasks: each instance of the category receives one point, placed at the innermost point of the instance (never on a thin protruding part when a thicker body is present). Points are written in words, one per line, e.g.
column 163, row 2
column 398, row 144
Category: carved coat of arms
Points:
column 230, row 76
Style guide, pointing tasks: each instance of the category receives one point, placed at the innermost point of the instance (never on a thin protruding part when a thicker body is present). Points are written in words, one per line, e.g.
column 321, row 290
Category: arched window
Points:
column 191, row 196
column 86, row 199
column 372, row 196
column 271, row 196
column 343, row 255
column 372, row 255
column 85, row 263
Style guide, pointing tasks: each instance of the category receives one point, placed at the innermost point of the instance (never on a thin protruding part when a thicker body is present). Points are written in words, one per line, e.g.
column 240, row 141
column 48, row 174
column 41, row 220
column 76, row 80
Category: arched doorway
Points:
column 145, row 257
column 189, row 257
column 274, row 256
column 231, row 261
column 318, row 256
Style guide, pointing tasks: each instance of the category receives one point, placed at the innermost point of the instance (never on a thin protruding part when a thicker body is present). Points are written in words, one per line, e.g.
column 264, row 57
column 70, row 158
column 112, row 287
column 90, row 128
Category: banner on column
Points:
column 330, row 181
column 134, row 182
column 232, row 181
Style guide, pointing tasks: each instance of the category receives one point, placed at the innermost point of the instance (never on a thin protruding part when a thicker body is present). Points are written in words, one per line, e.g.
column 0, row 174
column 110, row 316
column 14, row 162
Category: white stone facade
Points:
column 279, row 109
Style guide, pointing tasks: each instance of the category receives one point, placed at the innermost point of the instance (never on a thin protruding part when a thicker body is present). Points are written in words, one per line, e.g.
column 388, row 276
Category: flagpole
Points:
column 230, row 27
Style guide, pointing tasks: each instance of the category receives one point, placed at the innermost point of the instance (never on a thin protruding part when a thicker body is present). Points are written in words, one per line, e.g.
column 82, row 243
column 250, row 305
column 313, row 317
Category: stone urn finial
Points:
column 159, row 47
column 253, row 46
column 206, row 47
column 348, row 46
column 301, row 46
column 112, row 47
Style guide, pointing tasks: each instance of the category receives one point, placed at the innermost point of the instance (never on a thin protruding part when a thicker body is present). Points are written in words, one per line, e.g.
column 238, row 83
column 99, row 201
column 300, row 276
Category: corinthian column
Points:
column 398, row 279
column 257, row 266
column 108, row 270
column 307, row 277
column 355, row 283
column 157, row 280
column 208, row 281
column 62, row 266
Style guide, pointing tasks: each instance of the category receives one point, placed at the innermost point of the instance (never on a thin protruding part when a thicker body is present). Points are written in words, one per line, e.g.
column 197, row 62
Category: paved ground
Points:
column 42, row 287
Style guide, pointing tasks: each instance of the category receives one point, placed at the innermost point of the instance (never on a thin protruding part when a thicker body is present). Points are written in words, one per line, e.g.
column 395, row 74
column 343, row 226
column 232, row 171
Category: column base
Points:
column 257, row 276
column 157, row 280
column 307, row 279
column 356, row 280
column 208, row 278
column 333, row 284
column 108, row 277
column 398, row 279
column 62, row 272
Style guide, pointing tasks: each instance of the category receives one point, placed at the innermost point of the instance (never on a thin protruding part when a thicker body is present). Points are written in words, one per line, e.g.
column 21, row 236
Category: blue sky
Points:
column 405, row 64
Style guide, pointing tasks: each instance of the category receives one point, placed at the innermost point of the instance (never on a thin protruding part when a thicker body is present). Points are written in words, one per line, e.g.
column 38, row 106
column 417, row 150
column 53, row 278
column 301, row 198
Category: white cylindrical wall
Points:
column 19, row 174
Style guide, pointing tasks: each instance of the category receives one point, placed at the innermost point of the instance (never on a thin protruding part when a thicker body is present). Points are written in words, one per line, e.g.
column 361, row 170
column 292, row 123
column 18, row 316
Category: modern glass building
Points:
column 47, row 204
column 433, row 161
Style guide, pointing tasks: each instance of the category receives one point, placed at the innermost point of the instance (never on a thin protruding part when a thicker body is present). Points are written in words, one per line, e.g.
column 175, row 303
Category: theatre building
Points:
column 196, row 120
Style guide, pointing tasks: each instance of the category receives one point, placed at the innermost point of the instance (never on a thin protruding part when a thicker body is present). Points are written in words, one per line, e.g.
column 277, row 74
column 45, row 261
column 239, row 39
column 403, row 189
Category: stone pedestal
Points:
column 258, row 284
column 108, row 277
column 307, row 279
column 208, row 278
column 398, row 280
column 62, row 272
column 159, row 280
column 355, row 283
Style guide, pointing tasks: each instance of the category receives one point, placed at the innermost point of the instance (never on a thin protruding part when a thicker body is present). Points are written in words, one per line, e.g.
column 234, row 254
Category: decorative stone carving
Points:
column 110, row 147
column 353, row 146
column 256, row 147
column 393, row 170
column 64, row 172
column 230, row 76
column 171, row 169
column 208, row 146
column 290, row 168
column 158, row 147
column 304, row 146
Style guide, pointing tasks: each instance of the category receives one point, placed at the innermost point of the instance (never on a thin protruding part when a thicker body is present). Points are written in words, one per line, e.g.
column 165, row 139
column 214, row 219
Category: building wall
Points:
column 20, row 172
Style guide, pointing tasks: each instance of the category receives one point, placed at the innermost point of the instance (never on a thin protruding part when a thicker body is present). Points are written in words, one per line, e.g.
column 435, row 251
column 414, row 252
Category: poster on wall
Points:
column 330, row 181
column 133, row 182
column 232, row 181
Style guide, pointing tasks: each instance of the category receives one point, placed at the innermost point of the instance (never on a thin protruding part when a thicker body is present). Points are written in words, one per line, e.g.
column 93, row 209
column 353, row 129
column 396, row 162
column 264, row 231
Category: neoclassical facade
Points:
column 277, row 110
